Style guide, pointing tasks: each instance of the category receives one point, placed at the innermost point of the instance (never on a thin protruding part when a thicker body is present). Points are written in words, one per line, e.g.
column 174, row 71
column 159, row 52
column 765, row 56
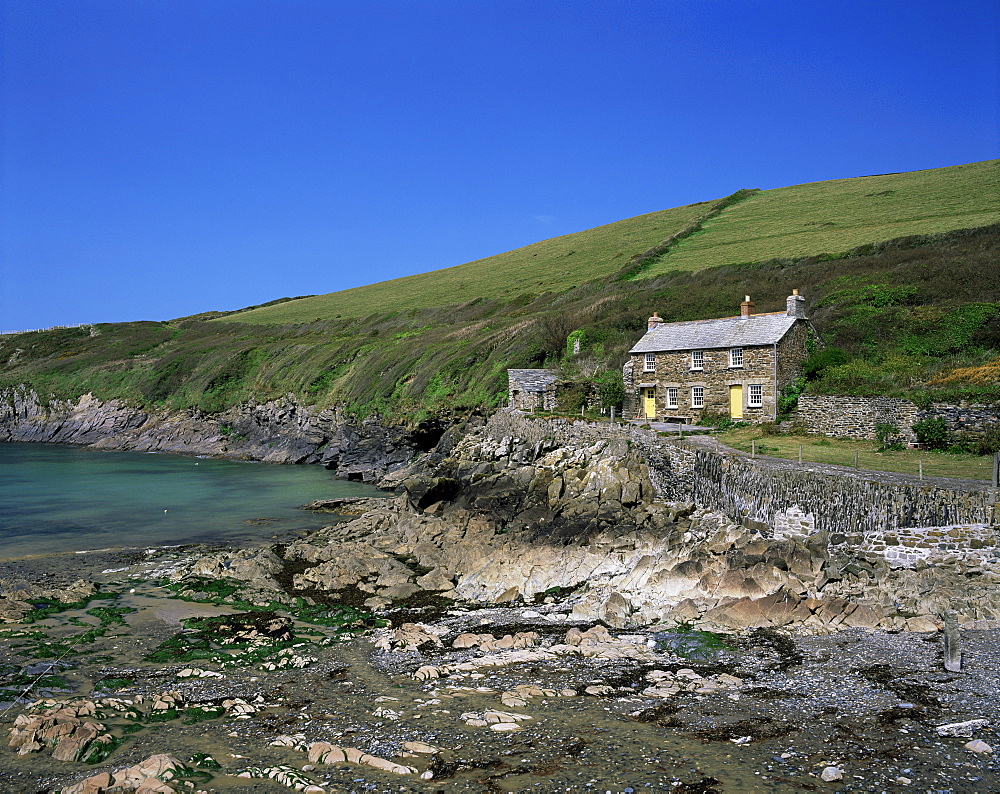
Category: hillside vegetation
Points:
column 916, row 316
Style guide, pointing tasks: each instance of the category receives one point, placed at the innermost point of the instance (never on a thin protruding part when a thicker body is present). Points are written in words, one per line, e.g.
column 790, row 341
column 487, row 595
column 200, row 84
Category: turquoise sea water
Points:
column 57, row 498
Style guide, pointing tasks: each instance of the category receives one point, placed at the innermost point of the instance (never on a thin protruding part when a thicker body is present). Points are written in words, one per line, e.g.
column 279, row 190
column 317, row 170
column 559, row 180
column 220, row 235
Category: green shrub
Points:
column 610, row 389
column 932, row 432
column 887, row 435
column 813, row 366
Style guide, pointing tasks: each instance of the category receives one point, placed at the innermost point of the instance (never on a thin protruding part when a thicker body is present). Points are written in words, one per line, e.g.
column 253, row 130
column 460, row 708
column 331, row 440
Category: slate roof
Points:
column 757, row 329
column 531, row 380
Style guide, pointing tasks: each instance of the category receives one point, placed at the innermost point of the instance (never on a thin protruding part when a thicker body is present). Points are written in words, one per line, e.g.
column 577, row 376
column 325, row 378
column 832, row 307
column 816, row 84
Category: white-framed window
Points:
column 755, row 396
column 672, row 396
column 736, row 357
column 697, row 359
column 649, row 362
column 697, row 396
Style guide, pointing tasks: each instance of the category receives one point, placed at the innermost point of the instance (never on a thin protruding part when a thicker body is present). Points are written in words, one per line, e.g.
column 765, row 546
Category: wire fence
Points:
column 917, row 463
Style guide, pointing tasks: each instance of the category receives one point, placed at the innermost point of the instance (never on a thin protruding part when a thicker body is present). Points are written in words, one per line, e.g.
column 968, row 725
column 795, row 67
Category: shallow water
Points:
column 56, row 498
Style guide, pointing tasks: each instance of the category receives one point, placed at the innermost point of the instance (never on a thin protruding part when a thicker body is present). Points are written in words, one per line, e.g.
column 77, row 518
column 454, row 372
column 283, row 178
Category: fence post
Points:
column 920, row 467
column 952, row 643
column 996, row 469
column 855, row 459
column 800, row 454
column 753, row 448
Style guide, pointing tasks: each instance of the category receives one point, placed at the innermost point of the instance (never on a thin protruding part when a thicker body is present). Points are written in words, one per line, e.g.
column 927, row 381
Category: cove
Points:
column 56, row 498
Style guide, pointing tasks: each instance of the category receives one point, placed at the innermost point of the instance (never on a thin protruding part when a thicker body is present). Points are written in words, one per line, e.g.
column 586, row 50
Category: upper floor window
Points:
column 736, row 357
column 755, row 396
column 649, row 363
column 697, row 396
column 672, row 397
column 697, row 359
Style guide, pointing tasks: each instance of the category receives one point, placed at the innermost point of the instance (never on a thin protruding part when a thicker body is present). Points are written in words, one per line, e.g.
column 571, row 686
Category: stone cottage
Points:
column 735, row 366
column 529, row 389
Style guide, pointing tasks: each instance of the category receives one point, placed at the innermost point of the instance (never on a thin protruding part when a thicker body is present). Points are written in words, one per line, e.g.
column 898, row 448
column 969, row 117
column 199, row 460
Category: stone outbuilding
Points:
column 736, row 366
column 529, row 389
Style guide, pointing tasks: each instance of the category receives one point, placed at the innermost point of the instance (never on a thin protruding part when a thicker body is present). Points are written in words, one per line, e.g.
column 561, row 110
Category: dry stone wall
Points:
column 899, row 517
column 858, row 417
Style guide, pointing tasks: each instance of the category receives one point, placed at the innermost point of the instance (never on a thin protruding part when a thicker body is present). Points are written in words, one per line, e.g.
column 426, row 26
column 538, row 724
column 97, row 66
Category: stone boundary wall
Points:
column 901, row 517
column 908, row 546
column 857, row 417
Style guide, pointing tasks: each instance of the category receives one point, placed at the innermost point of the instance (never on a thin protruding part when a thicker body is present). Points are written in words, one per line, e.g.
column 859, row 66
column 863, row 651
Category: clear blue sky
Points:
column 165, row 157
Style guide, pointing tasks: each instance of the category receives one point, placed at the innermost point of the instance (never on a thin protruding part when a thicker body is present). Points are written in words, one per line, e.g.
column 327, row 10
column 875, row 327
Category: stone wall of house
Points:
column 858, row 417
column 673, row 370
column 793, row 349
column 630, row 399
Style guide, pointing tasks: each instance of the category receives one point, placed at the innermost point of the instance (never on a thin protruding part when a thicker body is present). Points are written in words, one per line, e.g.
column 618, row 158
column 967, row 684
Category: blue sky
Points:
column 166, row 157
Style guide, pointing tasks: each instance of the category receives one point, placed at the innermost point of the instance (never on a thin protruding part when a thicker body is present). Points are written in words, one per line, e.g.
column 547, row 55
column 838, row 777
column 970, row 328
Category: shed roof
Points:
column 531, row 380
column 757, row 329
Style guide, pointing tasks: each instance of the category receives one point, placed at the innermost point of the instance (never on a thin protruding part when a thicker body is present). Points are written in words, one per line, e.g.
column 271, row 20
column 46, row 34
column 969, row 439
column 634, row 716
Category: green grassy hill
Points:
column 830, row 217
column 915, row 316
column 804, row 220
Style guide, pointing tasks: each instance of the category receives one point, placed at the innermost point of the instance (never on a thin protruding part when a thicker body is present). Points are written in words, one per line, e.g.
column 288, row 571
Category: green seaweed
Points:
column 204, row 761
column 98, row 750
column 195, row 714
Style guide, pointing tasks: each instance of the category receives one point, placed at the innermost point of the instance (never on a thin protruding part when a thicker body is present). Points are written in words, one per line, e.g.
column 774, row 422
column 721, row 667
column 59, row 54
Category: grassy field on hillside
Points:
column 859, row 454
column 553, row 265
column 831, row 217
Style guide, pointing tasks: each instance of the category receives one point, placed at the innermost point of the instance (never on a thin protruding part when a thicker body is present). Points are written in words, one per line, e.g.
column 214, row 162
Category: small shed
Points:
column 529, row 389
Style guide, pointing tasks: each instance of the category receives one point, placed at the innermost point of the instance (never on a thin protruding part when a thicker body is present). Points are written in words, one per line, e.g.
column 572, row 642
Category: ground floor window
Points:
column 672, row 397
column 755, row 398
column 698, row 397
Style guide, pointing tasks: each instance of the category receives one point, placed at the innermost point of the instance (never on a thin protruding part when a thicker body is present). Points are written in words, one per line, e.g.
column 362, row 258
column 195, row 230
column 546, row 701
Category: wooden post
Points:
column 855, row 459
column 996, row 469
column 920, row 467
column 753, row 448
column 952, row 643
column 800, row 453
column 612, row 414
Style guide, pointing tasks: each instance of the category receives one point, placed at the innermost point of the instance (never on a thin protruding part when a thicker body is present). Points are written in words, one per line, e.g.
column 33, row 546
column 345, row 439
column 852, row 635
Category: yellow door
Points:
column 649, row 403
column 736, row 402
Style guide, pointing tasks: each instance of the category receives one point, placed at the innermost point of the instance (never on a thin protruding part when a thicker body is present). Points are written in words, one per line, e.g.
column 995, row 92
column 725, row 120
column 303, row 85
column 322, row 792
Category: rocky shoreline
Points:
column 476, row 697
column 525, row 614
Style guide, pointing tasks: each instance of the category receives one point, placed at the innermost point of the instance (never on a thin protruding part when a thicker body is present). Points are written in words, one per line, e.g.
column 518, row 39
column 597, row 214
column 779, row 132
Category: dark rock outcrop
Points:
column 279, row 431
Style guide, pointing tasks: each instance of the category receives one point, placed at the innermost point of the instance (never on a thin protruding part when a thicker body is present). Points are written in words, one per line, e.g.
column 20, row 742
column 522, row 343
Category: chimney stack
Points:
column 653, row 321
column 796, row 305
column 747, row 307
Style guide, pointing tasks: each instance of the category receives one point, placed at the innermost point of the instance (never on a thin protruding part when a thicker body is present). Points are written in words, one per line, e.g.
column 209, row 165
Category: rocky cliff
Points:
column 281, row 431
column 508, row 513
